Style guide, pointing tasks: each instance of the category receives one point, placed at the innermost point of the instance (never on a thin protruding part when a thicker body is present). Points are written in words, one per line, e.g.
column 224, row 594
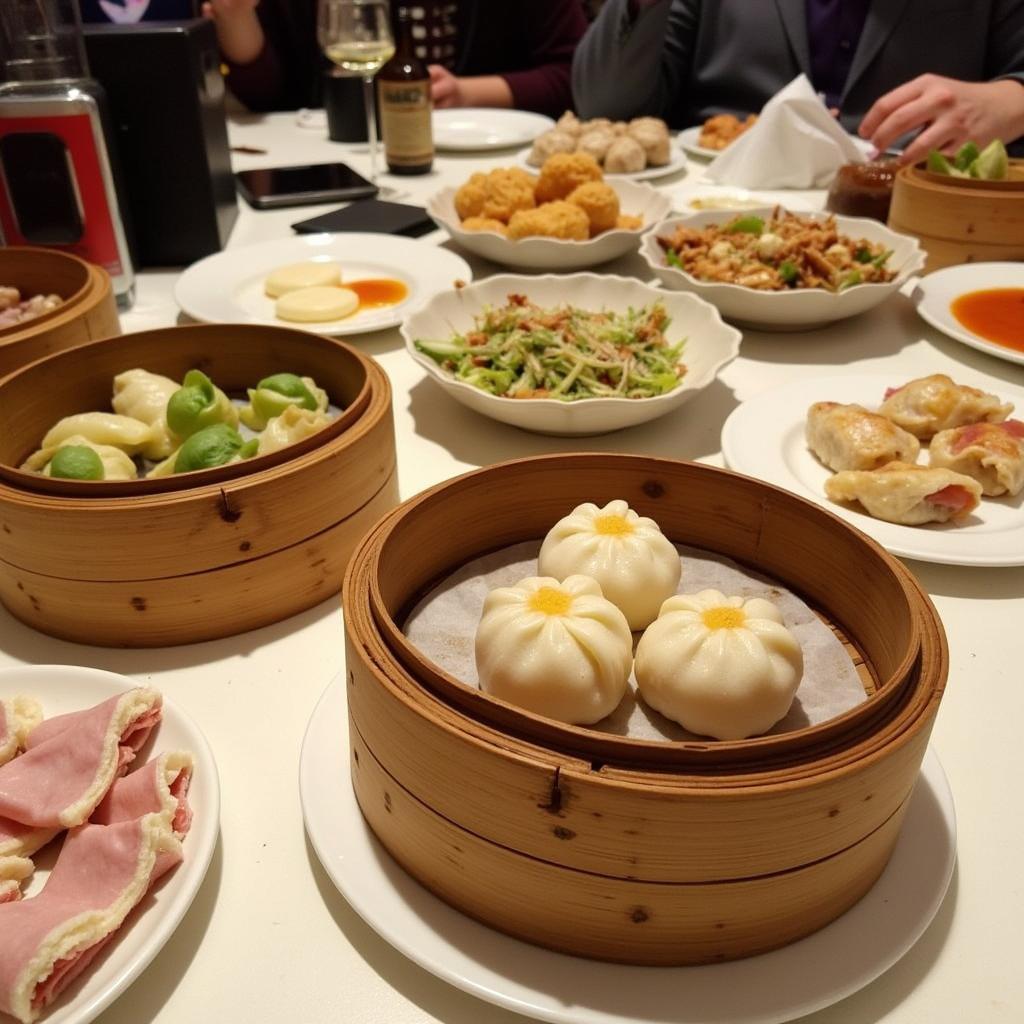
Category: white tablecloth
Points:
column 269, row 938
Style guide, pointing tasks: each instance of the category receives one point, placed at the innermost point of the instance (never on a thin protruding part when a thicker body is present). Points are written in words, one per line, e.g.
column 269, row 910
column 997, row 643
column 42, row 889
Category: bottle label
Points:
column 405, row 122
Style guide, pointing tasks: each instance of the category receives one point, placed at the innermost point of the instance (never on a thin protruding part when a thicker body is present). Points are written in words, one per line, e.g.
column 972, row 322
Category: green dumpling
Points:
column 211, row 446
column 76, row 462
column 198, row 403
column 276, row 393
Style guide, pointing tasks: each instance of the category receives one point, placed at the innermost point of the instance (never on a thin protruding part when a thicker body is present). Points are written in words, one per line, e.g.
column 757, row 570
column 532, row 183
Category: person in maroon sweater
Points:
column 501, row 53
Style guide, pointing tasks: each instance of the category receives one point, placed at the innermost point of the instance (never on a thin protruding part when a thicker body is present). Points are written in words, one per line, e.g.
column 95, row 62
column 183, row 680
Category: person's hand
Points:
column 948, row 112
column 445, row 88
column 239, row 33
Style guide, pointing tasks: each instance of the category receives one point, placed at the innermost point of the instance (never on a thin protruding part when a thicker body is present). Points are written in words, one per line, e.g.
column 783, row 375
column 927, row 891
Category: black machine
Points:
column 166, row 96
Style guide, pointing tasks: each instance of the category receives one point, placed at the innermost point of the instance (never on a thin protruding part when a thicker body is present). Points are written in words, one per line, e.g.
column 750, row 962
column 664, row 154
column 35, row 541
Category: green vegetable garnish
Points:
column 788, row 271
column 76, row 462
column 672, row 259
column 965, row 156
column 198, row 404
column 524, row 351
column 862, row 255
column 882, row 258
column 746, row 225
column 211, row 446
column 852, row 278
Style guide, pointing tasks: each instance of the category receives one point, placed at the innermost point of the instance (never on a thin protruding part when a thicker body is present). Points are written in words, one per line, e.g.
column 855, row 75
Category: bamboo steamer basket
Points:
column 620, row 849
column 203, row 555
column 960, row 220
column 89, row 310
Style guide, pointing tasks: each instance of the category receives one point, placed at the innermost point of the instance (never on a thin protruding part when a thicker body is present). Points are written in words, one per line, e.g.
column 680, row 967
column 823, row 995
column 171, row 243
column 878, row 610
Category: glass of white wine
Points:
column 356, row 35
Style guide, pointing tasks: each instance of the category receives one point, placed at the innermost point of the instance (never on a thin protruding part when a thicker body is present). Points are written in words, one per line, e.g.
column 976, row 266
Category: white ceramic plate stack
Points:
column 710, row 345
column 797, row 309
column 470, row 129
column 539, row 253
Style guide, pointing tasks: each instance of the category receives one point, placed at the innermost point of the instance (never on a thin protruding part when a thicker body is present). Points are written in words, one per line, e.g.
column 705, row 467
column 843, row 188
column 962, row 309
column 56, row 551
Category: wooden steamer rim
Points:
column 410, row 549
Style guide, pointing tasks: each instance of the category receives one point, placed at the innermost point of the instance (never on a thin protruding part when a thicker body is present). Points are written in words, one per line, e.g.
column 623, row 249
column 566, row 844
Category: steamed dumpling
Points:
column 130, row 435
column 198, row 404
column 106, row 463
column 215, row 445
column 655, row 142
column 548, row 144
column 635, row 564
column 597, row 143
column 557, row 649
column 719, row 666
column 276, row 393
column 144, row 396
column 625, row 156
column 292, row 425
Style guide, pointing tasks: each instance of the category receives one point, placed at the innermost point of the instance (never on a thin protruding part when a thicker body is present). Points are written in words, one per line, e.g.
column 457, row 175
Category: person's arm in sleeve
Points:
column 634, row 58
column 255, row 74
column 948, row 111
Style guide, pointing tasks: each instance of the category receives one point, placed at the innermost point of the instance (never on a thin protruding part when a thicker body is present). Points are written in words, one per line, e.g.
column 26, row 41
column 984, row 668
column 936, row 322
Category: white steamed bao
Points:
column 557, row 649
column 720, row 666
column 635, row 564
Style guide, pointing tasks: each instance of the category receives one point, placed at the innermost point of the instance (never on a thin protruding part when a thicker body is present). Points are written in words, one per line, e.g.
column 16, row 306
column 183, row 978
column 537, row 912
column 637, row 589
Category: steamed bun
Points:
column 596, row 143
column 549, row 144
column 624, row 156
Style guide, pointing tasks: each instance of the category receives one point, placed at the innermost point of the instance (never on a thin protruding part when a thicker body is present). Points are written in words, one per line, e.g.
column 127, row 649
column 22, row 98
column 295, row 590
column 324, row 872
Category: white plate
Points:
column 764, row 438
column 710, row 345
column 935, row 292
column 688, row 140
column 796, row 309
column 64, row 688
column 540, row 253
column 227, row 287
column 738, row 200
column 798, row 979
column 465, row 129
column 677, row 162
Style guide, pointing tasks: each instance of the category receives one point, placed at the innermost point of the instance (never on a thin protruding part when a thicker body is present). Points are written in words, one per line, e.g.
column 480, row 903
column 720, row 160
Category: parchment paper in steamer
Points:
column 443, row 626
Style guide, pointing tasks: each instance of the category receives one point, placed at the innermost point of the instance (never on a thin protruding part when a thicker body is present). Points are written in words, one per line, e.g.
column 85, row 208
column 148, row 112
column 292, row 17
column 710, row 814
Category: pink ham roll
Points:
column 13, row 871
column 72, row 760
column 19, row 716
column 102, row 872
column 161, row 785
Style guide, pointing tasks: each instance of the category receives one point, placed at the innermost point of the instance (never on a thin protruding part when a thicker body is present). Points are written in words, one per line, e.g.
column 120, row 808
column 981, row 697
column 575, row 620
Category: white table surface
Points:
column 270, row 939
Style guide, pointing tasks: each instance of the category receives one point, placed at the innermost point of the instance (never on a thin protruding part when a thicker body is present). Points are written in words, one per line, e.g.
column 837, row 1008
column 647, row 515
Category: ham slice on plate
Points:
column 954, row 497
column 71, row 761
column 161, row 785
column 13, row 871
column 19, row 716
column 17, row 840
column 103, row 871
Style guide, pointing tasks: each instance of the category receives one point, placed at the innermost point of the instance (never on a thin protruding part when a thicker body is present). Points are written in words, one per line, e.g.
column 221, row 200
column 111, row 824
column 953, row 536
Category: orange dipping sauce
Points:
column 376, row 292
column 996, row 314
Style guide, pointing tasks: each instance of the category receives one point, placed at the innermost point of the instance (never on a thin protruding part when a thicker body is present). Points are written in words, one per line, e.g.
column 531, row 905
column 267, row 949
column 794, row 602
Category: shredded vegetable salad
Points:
column 520, row 350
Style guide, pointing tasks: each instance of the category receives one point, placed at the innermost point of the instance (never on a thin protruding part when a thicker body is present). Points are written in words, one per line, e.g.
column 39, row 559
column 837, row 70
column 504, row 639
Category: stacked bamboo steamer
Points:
column 201, row 555
column 615, row 848
column 960, row 220
column 88, row 312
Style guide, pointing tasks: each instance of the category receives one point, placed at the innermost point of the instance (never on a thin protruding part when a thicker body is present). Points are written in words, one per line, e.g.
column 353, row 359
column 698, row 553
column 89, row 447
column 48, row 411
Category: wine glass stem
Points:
column 371, row 124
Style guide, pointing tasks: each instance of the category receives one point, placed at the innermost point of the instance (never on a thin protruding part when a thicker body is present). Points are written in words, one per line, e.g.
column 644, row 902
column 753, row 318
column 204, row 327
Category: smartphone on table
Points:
column 271, row 188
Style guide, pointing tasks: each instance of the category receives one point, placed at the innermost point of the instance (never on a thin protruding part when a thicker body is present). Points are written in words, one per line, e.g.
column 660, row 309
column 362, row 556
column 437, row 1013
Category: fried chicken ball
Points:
column 599, row 202
column 484, row 224
column 558, row 219
column 506, row 190
column 564, row 172
column 469, row 199
column 628, row 222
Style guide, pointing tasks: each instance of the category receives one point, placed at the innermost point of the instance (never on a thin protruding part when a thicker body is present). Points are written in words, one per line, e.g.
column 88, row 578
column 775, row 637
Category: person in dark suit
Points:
column 951, row 70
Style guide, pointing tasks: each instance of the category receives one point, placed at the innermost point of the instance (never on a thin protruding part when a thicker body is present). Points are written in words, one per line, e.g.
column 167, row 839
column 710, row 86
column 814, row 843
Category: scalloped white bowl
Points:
column 799, row 309
column 710, row 345
column 635, row 198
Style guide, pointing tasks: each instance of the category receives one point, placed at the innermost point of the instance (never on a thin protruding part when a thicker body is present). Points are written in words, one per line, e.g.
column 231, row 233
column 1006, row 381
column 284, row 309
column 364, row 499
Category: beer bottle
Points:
column 404, row 91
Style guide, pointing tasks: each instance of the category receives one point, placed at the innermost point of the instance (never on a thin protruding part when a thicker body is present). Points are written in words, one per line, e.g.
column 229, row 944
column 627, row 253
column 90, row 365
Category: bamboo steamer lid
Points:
column 89, row 310
column 609, row 848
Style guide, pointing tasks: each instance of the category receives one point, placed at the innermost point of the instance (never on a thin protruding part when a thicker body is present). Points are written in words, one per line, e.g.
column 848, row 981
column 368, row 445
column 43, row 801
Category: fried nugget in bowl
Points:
column 559, row 219
column 564, row 172
column 469, row 199
column 507, row 190
column 599, row 202
column 485, row 224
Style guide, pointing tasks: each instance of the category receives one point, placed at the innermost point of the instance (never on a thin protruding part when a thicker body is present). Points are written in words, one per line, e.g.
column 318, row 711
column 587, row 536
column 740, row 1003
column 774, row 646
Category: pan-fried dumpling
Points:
column 144, row 396
column 906, row 494
column 130, row 435
column 197, row 404
column 557, row 649
column 991, row 453
column 216, row 445
column 635, row 564
column 930, row 404
column 274, row 394
column 850, row 437
column 78, row 458
column 719, row 666
column 294, row 424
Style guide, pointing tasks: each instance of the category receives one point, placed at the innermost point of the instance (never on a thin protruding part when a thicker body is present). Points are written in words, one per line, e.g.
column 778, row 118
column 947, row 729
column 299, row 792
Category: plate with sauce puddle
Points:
column 391, row 275
column 980, row 304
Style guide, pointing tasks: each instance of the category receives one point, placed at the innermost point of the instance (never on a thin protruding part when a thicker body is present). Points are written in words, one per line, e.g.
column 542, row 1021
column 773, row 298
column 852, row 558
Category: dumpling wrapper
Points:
column 907, row 495
column 101, row 874
column 71, row 760
column 130, row 435
column 18, row 717
column 851, row 437
column 991, row 453
column 116, row 464
column 317, row 305
column 294, row 424
column 293, row 276
column 930, row 404
column 143, row 396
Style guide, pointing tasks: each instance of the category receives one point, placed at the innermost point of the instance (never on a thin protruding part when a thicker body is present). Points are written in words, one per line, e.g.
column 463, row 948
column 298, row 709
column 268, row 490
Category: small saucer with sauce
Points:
column 979, row 304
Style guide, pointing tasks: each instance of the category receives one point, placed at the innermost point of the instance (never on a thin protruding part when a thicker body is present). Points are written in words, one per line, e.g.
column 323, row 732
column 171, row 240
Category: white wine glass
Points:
column 356, row 35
